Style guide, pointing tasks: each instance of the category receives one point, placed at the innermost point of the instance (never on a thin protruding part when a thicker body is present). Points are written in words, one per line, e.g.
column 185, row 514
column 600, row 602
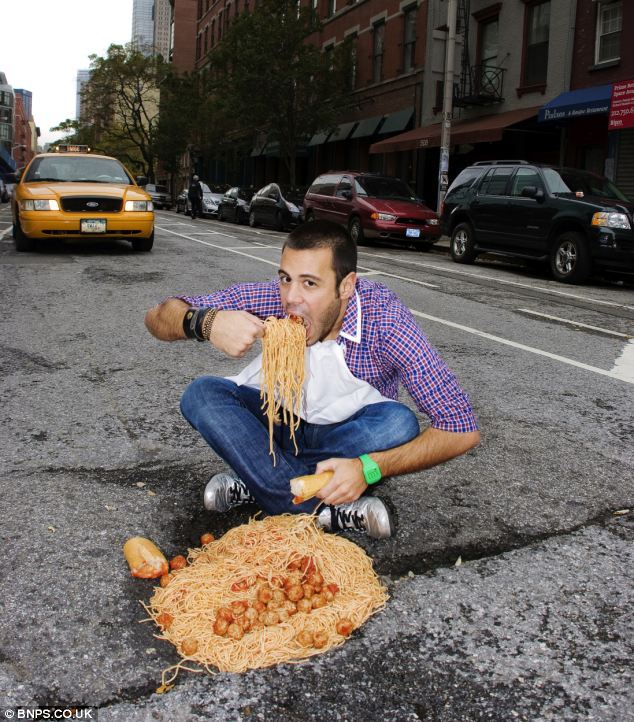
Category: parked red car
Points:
column 372, row 206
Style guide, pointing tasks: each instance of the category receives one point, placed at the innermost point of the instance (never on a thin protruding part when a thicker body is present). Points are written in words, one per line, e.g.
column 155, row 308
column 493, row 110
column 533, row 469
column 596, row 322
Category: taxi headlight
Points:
column 382, row 217
column 139, row 206
column 40, row 205
column 611, row 220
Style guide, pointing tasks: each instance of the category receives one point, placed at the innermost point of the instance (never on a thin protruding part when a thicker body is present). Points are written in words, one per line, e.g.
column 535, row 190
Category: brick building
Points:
column 602, row 57
column 184, row 23
column 25, row 133
column 388, row 37
column 516, row 62
column 510, row 58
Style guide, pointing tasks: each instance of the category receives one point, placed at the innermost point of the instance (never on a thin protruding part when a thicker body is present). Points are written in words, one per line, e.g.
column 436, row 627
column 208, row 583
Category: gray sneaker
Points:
column 223, row 492
column 368, row 514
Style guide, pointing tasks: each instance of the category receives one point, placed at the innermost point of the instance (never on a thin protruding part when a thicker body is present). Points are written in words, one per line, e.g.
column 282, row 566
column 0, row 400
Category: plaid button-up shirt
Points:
column 383, row 346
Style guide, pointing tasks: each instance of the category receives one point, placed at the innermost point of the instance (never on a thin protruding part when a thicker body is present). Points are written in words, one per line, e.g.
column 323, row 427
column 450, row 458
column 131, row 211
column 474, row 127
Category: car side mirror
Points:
column 347, row 195
column 142, row 180
column 533, row 192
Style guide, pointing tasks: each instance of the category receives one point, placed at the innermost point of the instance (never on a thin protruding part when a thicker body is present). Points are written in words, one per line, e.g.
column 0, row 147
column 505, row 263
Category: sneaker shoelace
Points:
column 350, row 519
column 238, row 493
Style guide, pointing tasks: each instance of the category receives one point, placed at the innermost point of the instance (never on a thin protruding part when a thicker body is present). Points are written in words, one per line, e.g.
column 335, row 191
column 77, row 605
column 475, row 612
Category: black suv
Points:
column 574, row 219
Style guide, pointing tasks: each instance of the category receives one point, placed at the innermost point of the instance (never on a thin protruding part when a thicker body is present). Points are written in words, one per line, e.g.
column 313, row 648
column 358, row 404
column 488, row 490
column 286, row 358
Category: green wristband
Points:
column 371, row 471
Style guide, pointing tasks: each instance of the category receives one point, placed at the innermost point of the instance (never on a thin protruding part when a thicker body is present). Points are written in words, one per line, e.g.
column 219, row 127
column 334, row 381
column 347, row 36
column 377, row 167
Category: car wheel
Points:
column 221, row 215
column 279, row 222
column 236, row 216
column 252, row 219
column 569, row 258
column 143, row 245
column 355, row 229
column 23, row 243
column 462, row 246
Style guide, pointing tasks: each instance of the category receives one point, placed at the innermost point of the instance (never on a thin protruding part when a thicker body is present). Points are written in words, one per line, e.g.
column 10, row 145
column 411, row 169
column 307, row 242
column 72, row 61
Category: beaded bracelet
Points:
column 208, row 322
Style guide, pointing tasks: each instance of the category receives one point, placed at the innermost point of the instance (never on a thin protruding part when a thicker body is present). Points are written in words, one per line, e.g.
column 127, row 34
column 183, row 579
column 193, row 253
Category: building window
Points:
column 206, row 39
column 609, row 24
column 352, row 40
column 200, row 8
column 198, row 46
column 332, row 7
column 487, row 57
column 409, row 39
column 378, row 42
column 536, row 31
column 329, row 52
column 220, row 26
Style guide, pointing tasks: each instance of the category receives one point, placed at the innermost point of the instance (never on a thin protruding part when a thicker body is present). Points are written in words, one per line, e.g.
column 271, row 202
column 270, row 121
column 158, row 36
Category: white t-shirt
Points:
column 330, row 393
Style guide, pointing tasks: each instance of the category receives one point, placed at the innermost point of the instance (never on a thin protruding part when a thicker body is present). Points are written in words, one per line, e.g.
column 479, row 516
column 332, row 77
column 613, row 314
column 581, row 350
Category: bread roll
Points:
column 144, row 558
column 305, row 487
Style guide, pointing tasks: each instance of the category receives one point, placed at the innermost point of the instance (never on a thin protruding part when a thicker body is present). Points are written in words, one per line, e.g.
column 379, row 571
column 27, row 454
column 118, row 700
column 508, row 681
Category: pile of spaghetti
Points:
column 283, row 346
column 270, row 591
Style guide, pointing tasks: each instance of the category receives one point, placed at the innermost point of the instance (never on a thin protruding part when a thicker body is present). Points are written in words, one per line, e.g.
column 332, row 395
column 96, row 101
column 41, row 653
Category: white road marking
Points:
column 624, row 365
column 409, row 280
column 369, row 273
column 256, row 244
column 574, row 323
column 221, row 248
column 481, row 276
column 614, row 374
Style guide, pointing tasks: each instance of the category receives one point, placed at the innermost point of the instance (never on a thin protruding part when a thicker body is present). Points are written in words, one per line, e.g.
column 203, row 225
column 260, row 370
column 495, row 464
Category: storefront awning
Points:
column 577, row 103
column 272, row 149
column 487, row 128
column 342, row 132
column 367, row 127
column 396, row 122
column 318, row 139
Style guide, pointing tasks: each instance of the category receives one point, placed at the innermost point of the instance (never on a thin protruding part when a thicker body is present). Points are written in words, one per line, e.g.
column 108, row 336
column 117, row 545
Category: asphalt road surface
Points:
column 510, row 573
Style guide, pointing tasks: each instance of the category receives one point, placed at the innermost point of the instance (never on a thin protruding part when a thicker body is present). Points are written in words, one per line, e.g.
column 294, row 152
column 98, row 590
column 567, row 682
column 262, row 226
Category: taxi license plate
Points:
column 93, row 225
column 412, row 232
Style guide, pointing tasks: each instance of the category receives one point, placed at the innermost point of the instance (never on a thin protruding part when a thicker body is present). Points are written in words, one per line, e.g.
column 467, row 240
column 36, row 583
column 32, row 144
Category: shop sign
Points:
column 622, row 106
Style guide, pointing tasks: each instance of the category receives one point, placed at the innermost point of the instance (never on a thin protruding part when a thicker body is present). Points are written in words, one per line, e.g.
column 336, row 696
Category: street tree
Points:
column 76, row 132
column 176, row 127
column 121, row 105
column 273, row 80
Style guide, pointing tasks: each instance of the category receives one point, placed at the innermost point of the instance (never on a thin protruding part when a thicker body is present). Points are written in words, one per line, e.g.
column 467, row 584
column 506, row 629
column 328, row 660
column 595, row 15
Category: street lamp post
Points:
column 447, row 106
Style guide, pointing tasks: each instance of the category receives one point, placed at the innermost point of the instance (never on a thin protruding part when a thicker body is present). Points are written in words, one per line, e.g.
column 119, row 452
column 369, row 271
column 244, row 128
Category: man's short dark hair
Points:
column 326, row 234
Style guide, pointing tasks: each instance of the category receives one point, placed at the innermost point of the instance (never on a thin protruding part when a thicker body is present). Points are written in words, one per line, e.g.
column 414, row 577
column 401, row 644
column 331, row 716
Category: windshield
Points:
column 569, row 182
column 73, row 169
column 381, row 187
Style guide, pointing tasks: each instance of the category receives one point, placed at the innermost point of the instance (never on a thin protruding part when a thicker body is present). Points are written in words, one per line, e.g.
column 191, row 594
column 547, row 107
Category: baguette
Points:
column 144, row 558
column 305, row 487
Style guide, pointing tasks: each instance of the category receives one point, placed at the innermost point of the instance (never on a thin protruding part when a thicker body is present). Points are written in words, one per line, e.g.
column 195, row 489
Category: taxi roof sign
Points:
column 68, row 148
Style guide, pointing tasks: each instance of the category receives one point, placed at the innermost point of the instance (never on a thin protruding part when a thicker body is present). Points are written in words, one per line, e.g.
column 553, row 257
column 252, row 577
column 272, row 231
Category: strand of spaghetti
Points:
column 261, row 551
column 283, row 346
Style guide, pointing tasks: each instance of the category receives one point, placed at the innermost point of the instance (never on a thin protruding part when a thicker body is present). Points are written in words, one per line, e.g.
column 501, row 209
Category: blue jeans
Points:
column 230, row 419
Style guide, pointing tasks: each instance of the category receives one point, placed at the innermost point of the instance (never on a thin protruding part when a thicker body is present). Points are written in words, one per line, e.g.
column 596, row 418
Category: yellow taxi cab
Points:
column 74, row 194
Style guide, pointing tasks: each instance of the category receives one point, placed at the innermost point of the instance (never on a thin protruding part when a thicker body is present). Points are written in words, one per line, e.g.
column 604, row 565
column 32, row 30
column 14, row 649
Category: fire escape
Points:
column 481, row 84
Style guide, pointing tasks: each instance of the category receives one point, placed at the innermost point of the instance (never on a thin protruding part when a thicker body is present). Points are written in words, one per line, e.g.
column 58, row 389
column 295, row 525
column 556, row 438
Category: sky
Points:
column 45, row 42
